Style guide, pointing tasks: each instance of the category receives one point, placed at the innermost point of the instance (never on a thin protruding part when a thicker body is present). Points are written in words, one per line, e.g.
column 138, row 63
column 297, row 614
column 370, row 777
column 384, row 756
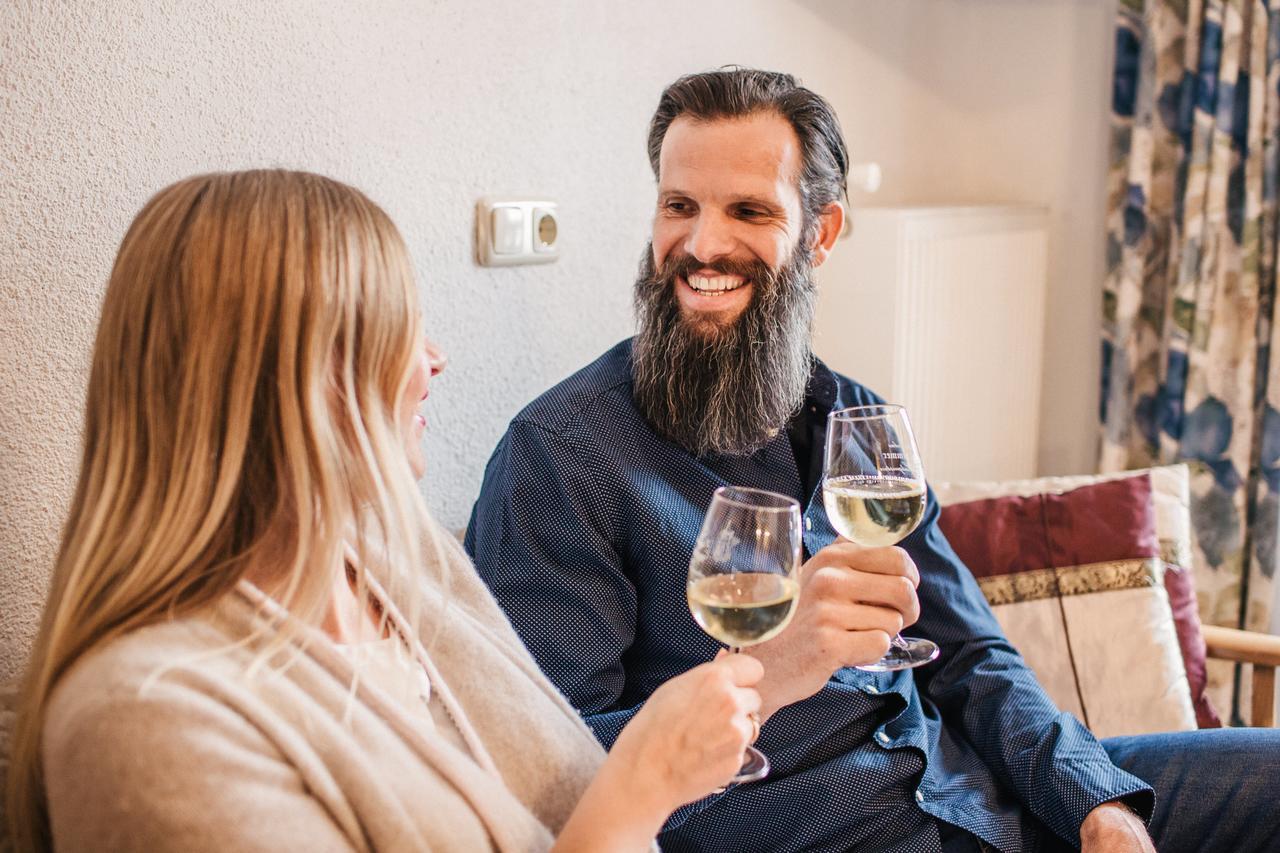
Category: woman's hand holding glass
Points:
column 689, row 738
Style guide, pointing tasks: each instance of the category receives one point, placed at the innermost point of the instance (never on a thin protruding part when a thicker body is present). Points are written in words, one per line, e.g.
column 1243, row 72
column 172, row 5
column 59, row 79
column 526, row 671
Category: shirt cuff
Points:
column 1078, row 795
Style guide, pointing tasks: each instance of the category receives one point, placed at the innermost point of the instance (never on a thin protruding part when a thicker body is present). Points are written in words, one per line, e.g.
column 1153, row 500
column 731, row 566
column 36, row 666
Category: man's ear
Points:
column 830, row 224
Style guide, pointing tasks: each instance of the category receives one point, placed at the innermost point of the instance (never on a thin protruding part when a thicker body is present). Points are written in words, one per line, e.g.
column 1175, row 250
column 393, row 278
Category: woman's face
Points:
column 429, row 361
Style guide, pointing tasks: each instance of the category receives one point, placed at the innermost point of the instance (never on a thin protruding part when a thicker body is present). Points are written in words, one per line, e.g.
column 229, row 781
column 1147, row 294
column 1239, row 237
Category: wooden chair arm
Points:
column 1261, row 650
column 1242, row 646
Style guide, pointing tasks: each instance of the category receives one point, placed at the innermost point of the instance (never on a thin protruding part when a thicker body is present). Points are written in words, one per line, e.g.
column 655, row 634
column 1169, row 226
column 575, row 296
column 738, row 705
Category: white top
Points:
column 388, row 665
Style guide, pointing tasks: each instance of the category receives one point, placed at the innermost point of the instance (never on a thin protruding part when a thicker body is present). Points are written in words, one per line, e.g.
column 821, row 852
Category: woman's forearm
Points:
column 618, row 812
column 688, row 739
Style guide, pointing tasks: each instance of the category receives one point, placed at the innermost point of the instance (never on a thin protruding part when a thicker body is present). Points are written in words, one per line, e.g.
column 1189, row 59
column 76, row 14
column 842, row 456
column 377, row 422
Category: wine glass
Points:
column 874, row 491
column 743, row 582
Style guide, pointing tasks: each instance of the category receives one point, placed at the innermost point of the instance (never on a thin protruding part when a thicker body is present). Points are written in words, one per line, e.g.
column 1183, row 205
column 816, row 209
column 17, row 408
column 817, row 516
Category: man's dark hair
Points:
column 740, row 92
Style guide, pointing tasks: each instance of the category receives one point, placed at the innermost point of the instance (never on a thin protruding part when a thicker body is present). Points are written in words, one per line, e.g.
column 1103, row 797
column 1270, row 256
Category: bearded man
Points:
column 593, row 500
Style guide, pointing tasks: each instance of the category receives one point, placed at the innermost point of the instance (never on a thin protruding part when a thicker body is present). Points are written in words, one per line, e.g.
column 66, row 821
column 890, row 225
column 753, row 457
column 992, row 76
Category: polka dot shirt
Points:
column 583, row 531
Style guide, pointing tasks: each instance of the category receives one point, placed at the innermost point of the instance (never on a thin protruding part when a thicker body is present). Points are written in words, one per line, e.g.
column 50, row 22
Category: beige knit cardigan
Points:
column 162, row 740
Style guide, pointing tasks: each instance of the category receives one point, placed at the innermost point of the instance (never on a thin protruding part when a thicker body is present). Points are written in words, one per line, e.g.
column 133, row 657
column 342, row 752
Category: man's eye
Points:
column 750, row 213
column 677, row 206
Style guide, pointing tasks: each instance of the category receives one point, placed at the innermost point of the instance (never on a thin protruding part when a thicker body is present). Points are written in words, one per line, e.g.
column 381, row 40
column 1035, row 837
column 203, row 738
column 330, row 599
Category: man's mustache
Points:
column 684, row 265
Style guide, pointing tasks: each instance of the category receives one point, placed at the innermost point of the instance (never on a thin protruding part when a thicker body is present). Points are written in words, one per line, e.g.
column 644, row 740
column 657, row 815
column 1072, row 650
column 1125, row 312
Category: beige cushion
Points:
column 1100, row 636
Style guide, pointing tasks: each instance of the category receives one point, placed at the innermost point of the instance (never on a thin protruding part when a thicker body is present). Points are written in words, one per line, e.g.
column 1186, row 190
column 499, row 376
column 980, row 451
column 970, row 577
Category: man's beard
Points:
column 723, row 388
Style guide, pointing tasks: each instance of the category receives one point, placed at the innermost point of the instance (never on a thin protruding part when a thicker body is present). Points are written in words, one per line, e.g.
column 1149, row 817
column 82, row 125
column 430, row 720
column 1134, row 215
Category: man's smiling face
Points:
column 728, row 202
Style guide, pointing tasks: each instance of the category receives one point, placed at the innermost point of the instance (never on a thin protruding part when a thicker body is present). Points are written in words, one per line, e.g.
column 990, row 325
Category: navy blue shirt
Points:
column 583, row 530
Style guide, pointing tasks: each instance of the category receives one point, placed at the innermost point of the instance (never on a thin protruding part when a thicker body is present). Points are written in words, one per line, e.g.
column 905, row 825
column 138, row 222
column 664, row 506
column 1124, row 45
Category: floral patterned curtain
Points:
column 1189, row 362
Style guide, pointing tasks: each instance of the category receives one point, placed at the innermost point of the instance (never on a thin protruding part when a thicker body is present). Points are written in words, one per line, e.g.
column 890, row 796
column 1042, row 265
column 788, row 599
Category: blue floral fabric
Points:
column 1189, row 299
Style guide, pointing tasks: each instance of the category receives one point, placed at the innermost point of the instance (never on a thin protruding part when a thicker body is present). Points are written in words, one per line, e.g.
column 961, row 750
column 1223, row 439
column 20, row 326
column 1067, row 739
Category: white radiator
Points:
column 942, row 309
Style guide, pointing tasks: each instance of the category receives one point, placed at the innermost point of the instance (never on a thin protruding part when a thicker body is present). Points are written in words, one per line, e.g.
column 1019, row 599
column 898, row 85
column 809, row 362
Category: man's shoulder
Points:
column 851, row 391
column 602, row 382
column 857, row 393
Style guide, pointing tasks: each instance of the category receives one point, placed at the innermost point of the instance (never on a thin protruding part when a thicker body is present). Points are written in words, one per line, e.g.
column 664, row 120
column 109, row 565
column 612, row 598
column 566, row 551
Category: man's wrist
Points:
column 1108, row 814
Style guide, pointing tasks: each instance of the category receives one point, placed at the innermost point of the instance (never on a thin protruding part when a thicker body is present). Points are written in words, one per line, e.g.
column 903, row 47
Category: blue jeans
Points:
column 1217, row 791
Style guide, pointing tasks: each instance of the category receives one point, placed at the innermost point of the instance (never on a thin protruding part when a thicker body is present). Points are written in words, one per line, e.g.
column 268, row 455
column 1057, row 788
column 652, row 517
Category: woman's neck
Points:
column 345, row 619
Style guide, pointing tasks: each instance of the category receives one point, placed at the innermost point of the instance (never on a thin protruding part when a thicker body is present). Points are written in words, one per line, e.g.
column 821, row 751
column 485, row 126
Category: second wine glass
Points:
column 743, row 576
column 874, row 491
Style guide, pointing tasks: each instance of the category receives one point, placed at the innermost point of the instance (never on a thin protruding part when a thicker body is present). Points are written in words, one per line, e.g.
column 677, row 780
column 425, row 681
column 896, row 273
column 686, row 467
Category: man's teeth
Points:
column 715, row 284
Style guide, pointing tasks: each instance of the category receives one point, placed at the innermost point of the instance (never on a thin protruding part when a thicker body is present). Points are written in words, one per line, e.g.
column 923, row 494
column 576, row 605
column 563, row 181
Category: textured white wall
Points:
column 429, row 104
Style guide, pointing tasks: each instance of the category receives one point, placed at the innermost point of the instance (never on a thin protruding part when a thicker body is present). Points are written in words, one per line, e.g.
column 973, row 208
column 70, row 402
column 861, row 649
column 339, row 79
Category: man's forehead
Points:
column 746, row 153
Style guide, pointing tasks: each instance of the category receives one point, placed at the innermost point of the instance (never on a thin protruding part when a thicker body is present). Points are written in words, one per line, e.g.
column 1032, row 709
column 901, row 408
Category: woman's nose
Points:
column 435, row 357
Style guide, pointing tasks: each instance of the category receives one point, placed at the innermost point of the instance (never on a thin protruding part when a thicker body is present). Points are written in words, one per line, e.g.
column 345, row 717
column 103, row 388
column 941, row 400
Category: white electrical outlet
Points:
column 516, row 231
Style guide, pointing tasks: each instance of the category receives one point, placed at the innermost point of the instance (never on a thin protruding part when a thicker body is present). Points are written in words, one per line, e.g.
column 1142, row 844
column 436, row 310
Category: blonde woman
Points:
column 256, row 638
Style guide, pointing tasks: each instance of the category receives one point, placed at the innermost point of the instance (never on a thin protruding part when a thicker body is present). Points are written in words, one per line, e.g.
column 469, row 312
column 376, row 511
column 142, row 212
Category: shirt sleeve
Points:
column 540, row 537
column 984, row 688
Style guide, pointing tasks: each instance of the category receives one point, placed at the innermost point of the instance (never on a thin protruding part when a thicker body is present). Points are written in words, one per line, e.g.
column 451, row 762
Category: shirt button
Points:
column 808, row 523
column 870, row 688
column 919, row 796
column 883, row 737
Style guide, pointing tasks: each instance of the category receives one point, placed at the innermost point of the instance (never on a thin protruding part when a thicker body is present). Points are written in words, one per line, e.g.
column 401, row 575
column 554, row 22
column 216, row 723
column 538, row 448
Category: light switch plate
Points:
column 513, row 231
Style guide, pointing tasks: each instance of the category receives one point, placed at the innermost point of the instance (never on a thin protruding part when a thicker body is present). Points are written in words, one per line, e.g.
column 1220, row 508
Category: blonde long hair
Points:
column 257, row 332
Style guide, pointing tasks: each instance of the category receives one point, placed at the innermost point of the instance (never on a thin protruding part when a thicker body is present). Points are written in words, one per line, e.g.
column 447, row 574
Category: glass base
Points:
column 904, row 653
column 754, row 766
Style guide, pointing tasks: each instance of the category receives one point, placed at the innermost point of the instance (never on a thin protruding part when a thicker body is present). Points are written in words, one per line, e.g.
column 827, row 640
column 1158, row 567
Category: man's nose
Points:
column 710, row 238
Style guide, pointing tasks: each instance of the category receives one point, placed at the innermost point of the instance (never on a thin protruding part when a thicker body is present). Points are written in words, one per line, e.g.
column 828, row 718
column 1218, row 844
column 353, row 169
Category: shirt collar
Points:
column 822, row 391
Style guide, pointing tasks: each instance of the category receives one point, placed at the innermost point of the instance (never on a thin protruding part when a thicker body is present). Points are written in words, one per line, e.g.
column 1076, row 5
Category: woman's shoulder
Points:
column 138, row 669
column 151, row 742
column 149, row 702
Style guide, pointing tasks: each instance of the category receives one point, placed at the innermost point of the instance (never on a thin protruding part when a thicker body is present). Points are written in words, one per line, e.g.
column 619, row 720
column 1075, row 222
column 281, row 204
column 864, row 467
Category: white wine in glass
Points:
column 743, row 608
column 874, row 493
column 873, row 511
column 743, row 584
